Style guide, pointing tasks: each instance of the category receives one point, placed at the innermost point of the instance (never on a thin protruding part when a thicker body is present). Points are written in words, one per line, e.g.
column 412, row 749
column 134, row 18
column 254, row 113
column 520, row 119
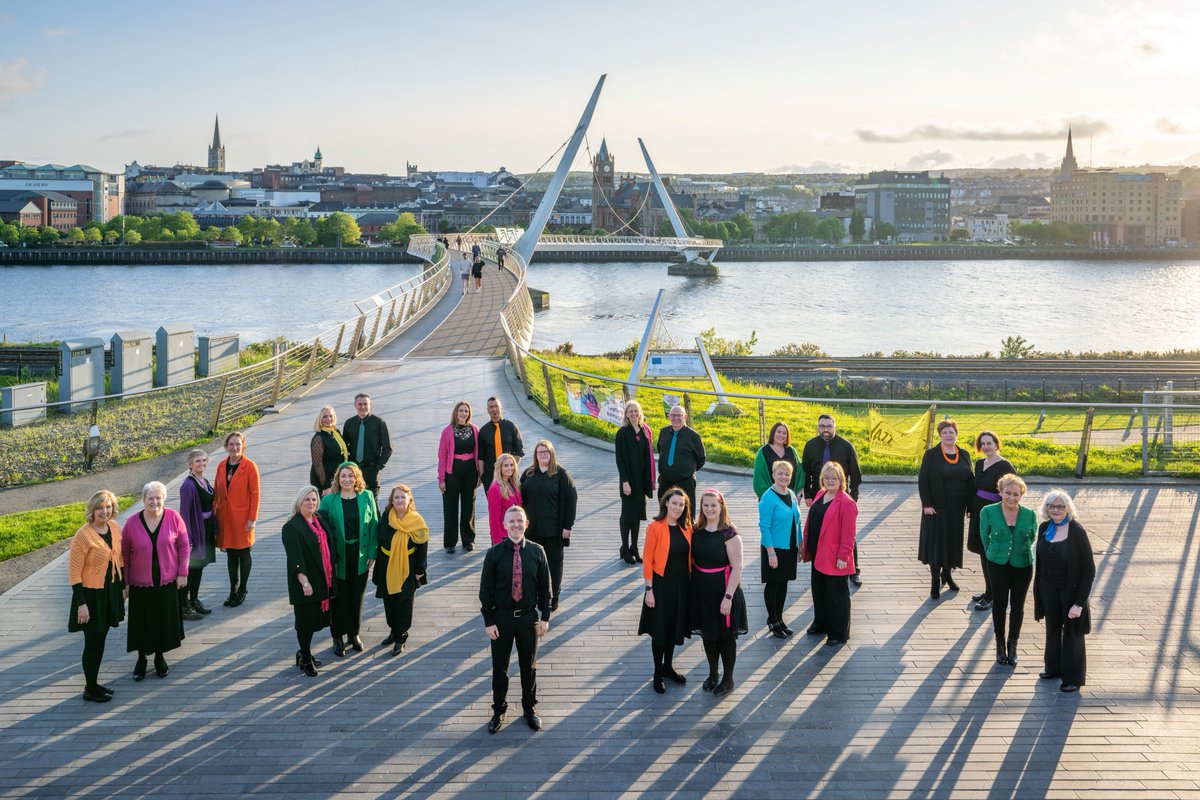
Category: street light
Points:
column 91, row 446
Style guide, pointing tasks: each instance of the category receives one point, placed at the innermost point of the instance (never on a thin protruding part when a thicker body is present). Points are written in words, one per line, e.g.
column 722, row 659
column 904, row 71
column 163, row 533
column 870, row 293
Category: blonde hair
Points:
column 625, row 417
column 359, row 482
column 835, row 468
column 321, row 413
column 1011, row 479
column 303, row 493
column 98, row 499
column 507, row 488
column 400, row 487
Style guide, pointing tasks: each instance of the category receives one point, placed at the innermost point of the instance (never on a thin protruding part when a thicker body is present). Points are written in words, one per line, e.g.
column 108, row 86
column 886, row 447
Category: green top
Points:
column 1004, row 545
column 763, row 479
column 368, row 528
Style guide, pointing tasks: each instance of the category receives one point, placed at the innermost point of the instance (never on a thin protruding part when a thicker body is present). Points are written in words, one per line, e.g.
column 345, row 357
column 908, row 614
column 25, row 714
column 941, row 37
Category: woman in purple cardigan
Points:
column 829, row 544
column 458, row 477
column 155, row 546
column 196, row 507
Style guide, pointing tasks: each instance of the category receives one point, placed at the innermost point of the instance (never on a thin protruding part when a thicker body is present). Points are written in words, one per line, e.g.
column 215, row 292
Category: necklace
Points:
column 950, row 460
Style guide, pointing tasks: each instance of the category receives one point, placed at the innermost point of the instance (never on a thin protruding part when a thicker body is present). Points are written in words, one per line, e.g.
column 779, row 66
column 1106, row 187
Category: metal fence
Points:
column 166, row 419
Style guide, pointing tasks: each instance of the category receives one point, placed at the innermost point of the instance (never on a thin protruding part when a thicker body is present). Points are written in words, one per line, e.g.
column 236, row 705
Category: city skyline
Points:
column 755, row 88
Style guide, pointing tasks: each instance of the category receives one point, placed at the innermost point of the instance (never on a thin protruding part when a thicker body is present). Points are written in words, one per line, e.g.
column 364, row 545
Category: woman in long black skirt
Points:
column 718, row 605
column 97, row 601
column 400, row 563
column 945, row 483
column 312, row 555
column 636, row 475
column 666, row 569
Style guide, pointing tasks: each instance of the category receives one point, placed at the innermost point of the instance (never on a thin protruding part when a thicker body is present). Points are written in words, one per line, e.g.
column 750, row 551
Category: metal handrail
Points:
column 661, row 241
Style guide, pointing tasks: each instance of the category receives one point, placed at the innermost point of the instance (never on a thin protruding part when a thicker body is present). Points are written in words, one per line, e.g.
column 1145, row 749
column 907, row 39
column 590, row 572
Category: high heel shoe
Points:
column 948, row 579
column 777, row 630
column 139, row 669
column 309, row 666
column 1012, row 652
column 1001, row 652
column 723, row 688
column 659, row 685
column 787, row 631
column 161, row 667
column 339, row 647
column 356, row 643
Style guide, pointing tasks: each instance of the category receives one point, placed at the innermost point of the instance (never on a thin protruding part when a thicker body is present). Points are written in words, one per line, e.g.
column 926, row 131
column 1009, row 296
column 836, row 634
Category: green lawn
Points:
column 27, row 531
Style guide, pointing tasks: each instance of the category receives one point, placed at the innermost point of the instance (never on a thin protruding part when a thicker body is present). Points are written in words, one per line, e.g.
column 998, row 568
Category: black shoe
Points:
column 139, row 669
column 984, row 604
column 317, row 662
column 627, row 555
column 391, row 639
column 723, row 688
column 554, row 604
column 533, row 721
column 1012, row 652
column 238, row 599
column 636, row 555
column 200, row 608
column 495, row 723
column 1047, row 675
column 96, row 695
column 190, row 614
column 356, row 643
column 674, row 676
column 814, row 630
column 831, row 642
column 710, row 683
column 450, row 550
column 104, row 689
column 1001, row 653
column 777, row 630
column 299, row 657
column 339, row 647
column 948, row 579
column 468, row 547
column 856, row 579
column 1069, row 687
column 976, row 598
column 308, row 665
column 783, row 627
column 659, row 686
column 229, row 601
column 161, row 667
column 398, row 648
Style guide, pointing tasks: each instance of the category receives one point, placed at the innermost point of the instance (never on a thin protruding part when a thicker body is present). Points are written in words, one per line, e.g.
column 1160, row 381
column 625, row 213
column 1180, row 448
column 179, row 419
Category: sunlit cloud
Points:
column 19, row 77
column 129, row 134
column 1037, row 160
column 811, row 168
column 1168, row 125
column 936, row 132
column 59, row 33
column 930, row 160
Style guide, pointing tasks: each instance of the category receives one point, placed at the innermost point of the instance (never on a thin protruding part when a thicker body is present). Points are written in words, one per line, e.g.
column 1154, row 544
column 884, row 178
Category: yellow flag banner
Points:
column 887, row 439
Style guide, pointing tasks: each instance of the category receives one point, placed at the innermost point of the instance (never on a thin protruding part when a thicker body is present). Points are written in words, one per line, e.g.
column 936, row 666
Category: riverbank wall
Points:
column 124, row 256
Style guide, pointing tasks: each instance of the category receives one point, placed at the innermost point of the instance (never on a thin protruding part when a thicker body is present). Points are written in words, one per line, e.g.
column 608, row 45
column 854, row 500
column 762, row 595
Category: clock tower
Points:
column 603, row 175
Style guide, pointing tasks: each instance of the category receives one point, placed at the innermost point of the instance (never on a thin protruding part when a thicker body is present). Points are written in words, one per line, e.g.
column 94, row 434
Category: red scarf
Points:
column 326, row 561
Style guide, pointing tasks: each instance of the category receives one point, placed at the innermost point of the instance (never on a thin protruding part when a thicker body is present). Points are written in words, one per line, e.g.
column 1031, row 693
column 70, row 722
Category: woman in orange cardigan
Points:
column 666, row 565
column 829, row 544
column 236, row 506
column 97, row 603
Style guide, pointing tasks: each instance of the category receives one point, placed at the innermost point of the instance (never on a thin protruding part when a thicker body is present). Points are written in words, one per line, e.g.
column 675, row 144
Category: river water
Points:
column 847, row 308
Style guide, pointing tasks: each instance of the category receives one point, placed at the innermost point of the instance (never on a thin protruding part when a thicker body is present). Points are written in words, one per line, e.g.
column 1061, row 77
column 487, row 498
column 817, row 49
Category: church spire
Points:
column 216, row 152
column 1069, row 165
column 216, row 132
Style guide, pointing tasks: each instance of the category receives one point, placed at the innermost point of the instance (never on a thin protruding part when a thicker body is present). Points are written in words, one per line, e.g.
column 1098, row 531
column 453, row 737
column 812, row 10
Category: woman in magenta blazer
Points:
column 156, row 548
column 503, row 494
column 829, row 544
column 458, row 477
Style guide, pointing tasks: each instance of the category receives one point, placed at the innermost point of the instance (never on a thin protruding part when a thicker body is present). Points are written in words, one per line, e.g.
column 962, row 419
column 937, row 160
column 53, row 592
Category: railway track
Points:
column 981, row 367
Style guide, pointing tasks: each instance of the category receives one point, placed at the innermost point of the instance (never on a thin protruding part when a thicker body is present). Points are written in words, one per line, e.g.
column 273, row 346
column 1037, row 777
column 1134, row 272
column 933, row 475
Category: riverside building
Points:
column 917, row 205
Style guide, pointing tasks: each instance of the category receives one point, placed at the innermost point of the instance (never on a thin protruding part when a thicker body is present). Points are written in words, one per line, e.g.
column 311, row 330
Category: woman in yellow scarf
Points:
column 400, row 563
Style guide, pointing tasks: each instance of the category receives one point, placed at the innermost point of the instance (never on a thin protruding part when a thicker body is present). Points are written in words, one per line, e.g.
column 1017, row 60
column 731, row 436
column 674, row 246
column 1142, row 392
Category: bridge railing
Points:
column 137, row 425
column 672, row 242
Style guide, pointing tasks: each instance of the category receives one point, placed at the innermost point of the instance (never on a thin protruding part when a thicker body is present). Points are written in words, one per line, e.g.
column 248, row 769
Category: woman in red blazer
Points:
column 236, row 507
column 829, row 544
column 667, row 567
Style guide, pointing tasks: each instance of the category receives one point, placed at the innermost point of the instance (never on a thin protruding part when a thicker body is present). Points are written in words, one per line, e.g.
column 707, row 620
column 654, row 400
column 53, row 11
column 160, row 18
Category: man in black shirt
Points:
column 828, row 446
column 680, row 455
column 515, row 611
column 367, row 441
column 510, row 441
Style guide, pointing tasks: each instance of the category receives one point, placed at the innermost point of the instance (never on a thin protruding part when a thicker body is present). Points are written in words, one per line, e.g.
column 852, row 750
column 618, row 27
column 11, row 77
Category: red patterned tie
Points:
column 517, row 576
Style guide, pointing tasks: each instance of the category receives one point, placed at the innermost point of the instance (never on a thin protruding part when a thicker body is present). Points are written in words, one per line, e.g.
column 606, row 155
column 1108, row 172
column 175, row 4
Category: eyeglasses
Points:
column 1057, row 506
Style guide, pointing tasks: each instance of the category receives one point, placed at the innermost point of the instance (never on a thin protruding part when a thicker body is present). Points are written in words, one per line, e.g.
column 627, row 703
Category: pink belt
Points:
column 464, row 457
column 727, row 569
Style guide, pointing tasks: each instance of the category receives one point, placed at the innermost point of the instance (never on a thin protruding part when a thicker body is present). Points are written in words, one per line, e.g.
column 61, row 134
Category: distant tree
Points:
column 304, row 233
column 75, row 236
column 830, row 230
column 48, row 236
column 93, row 236
column 152, row 229
column 959, row 235
column 183, row 225
column 210, row 234
column 10, row 234
column 132, row 237
column 1015, row 347
column 665, row 228
column 251, row 228
column 720, row 346
column 271, row 231
column 111, row 237
column 745, row 226
column 233, row 234
column 400, row 231
column 339, row 228
column 883, row 230
column 810, row 349
column 858, row 225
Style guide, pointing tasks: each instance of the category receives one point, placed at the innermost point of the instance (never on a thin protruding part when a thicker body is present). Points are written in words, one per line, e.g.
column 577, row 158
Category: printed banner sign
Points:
column 670, row 401
column 675, row 365
column 887, row 439
column 597, row 402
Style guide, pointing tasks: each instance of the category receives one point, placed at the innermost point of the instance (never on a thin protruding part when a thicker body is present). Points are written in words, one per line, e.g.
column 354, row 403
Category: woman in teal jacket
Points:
column 355, row 518
column 779, row 525
column 1008, row 530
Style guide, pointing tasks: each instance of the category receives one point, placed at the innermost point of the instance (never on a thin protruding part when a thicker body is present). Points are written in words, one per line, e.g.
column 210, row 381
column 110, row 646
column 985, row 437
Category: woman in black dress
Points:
column 988, row 472
column 718, row 605
column 779, row 535
column 635, row 472
column 97, row 600
column 945, row 484
column 312, row 556
column 400, row 563
column 328, row 449
column 550, row 500
column 666, row 569
column 1064, row 571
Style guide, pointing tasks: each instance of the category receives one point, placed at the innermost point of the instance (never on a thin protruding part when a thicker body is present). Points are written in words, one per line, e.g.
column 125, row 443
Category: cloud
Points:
column 17, row 77
column 1020, row 161
column 59, row 33
column 812, row 168
column 1168, row 125
column 930, row 160
column 1082, row 127
column 129, row 134
column 1147, row 48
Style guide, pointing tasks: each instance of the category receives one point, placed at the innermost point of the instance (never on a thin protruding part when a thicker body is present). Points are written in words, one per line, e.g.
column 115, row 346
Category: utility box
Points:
column 218, row 353
column 82, row 371
column 175, row 355
column 133, row 361
column 23, row 404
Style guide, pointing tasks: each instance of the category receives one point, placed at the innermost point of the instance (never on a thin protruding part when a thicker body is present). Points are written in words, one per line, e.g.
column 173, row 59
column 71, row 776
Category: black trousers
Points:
column 831, row 604
column 1066, row 655
column 521, row 630
column 346, row 605
column 93, row 654
column 1009, row 585
column 398, row 609
column 458, row 504
column 985, row 567
column 688, row 484
column 554, row 556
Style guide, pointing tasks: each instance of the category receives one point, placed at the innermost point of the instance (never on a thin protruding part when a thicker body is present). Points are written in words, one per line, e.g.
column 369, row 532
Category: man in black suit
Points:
column 367, row 441
column 680, row 455
column 828, row 446
column 510, row 441
column 515, row 611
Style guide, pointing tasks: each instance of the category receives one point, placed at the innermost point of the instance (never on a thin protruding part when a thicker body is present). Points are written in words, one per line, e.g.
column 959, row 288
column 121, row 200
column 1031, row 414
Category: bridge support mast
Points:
column 696, row 263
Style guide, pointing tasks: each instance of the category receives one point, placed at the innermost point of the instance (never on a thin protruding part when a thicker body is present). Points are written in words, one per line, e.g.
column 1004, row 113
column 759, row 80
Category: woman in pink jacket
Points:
column 503, row 494
column 458, row 477
column 829, row 544
column 155, row 547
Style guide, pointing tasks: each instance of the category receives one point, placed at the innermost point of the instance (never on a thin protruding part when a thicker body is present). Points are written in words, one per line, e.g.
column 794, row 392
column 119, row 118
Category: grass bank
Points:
column 27, row 531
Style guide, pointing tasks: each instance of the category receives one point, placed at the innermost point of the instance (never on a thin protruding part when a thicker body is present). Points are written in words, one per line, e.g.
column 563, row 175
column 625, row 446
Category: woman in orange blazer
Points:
column 829, row 544
column 666, row 565
column 97, row 584
column 236, row 506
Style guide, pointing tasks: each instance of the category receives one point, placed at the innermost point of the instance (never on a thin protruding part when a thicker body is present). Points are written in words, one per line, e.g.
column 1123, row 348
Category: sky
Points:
column 712, row 87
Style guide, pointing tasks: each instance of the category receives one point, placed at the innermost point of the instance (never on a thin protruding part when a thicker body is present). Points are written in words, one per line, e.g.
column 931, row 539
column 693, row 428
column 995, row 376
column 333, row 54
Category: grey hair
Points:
column 1058, row 494
column 303, row 493
column 152, row 485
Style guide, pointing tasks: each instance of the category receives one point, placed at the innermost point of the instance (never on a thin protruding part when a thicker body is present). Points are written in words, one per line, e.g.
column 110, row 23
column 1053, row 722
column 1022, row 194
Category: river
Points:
column 847, row 308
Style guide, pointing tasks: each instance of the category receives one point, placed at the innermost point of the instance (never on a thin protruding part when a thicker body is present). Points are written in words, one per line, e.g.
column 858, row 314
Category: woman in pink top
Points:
column 503, row 494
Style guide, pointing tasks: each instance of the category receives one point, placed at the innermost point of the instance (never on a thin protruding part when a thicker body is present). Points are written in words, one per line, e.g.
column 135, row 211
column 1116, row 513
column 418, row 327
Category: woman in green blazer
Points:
column 352, row 512
column 778, row 447
column 1008, row 530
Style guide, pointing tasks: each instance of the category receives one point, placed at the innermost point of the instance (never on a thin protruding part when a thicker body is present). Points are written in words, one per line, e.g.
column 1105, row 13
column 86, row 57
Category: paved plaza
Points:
column 914, row 705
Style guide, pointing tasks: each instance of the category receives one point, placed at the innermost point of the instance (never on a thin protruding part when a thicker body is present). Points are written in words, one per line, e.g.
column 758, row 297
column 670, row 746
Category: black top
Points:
column 987, row 479
column 550, row 502
column 770, row 456
column 633, row 459
column 155, row 567
column 230, row 468
column 1076, row 551
column 813, row 458
column 495, row 585
column 326, row 456
column 377, row 444
column 510, row 442
column 708, row 547
column 938, row 479
column 350, row 518
column 204, row 493
column 689, row 452
column 678, row 552
column 816, row 515
column 464, row 440
column 303, row 554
